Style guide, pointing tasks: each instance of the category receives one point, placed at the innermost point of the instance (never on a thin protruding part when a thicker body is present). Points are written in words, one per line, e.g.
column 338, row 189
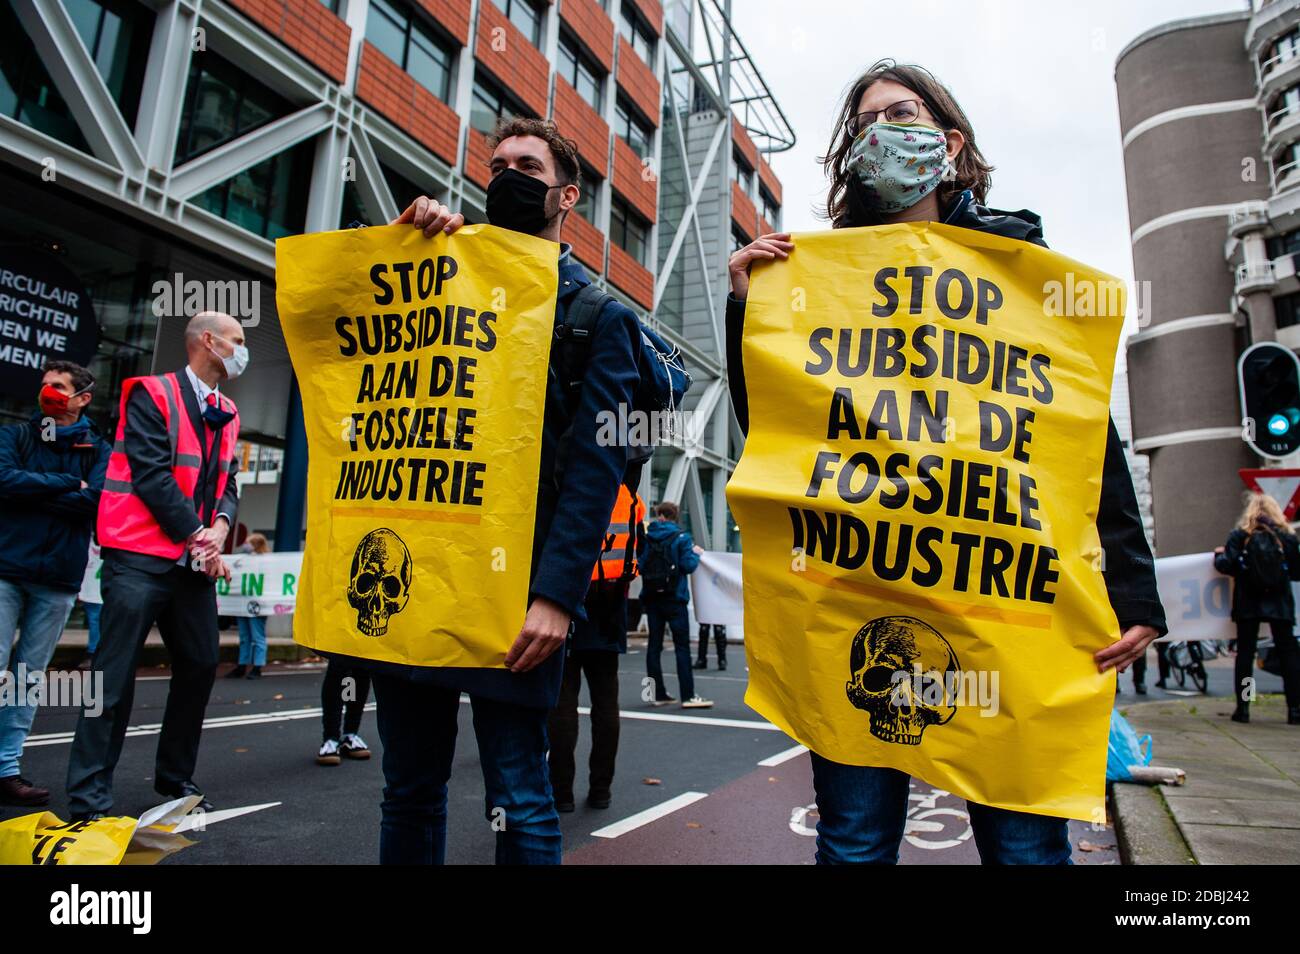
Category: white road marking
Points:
column 633, row 822
column 199, row 821
column 291, row 715
column 216, row 722
column 785, row 756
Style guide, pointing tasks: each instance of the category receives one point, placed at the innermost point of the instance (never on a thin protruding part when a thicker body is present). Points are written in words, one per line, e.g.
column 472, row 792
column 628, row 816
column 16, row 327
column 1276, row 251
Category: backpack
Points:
column 659, row 570
column 663, row 382
column 1267, row 562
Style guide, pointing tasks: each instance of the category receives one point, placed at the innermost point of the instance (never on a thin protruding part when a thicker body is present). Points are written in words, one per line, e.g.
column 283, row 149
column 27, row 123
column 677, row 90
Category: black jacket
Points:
column 149, row 453
column 1129, row 568
column 46, row 517
column 1250, row 599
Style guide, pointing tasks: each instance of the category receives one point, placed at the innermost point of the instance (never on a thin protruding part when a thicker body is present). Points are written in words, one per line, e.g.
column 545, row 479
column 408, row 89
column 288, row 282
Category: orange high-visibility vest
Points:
column 124, row 520
column 618, row 552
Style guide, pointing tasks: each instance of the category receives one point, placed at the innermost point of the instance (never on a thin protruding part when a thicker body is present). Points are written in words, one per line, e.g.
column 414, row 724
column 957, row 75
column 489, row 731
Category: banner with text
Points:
column 917, row 499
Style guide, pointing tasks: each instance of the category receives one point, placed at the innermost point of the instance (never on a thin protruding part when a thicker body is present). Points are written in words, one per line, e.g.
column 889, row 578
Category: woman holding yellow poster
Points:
column 1037, row 574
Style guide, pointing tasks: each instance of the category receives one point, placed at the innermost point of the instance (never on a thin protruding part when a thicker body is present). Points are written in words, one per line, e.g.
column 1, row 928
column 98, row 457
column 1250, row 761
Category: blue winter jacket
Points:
column 46, row 518
column 684, row 555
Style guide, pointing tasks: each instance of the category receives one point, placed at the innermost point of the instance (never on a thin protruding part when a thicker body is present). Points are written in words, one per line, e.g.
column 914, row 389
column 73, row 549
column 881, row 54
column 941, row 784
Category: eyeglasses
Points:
column 904, row 113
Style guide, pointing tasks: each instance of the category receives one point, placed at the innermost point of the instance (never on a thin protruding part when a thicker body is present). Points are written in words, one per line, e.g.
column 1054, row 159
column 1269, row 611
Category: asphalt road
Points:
column 699, row 786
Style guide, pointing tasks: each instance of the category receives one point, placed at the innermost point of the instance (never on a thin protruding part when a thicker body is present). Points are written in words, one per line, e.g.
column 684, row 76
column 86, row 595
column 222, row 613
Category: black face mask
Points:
column 517, row 202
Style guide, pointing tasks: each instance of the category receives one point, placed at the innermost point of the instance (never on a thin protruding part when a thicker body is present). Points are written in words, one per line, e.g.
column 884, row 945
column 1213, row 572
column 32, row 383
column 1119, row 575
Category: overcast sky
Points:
column 1036, row 79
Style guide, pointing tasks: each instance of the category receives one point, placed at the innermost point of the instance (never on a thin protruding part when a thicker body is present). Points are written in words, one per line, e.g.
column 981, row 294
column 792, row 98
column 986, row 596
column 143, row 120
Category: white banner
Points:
column 715, row 591
column 260, row 584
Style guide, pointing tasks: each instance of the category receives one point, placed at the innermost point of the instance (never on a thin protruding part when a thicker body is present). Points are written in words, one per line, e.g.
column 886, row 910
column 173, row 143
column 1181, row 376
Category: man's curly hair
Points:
column 563, row 149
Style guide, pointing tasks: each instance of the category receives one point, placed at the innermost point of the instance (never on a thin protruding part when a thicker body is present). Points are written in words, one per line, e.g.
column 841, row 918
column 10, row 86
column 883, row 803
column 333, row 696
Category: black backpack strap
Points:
column 573, row 335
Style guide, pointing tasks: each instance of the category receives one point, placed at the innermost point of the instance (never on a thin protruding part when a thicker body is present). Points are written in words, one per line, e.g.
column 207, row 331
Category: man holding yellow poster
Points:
column 943, row 557
column 458, row 494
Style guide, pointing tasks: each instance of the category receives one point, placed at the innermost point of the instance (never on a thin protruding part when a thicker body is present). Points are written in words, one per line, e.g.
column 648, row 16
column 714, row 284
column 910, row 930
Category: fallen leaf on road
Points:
column 1089, row 846
column 694, row 825
column 651, row 781
column 278, row 695
column 241, row 750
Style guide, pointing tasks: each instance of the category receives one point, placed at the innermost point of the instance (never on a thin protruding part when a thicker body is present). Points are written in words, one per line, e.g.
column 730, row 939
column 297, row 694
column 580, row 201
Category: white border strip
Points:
column 1187, row 112
column 1188, row 437
column 1183, row 215
column 1181, row 324
column 632, row 822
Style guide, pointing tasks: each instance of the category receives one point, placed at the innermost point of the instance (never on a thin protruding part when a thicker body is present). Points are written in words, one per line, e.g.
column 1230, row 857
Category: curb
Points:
column 1146, row 831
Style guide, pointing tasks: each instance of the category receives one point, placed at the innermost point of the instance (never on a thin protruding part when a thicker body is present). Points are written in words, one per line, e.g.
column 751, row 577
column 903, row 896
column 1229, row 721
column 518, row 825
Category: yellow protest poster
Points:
column 422, row 365
column 917, row 501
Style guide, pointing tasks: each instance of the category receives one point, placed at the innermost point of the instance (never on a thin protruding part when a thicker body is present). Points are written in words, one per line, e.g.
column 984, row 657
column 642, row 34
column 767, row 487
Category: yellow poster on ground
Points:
column 422, row 366
column 917, row 501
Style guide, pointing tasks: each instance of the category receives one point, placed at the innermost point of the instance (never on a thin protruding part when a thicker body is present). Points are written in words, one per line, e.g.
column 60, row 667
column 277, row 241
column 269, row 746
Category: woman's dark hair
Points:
column 844, row 206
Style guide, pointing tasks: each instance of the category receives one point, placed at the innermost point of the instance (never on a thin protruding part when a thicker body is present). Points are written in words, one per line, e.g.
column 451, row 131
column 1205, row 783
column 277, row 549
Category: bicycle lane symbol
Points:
column 929, row 825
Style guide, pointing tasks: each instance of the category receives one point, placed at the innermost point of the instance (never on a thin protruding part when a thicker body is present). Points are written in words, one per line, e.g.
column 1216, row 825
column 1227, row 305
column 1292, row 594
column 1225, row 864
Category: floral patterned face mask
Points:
column 898, row 165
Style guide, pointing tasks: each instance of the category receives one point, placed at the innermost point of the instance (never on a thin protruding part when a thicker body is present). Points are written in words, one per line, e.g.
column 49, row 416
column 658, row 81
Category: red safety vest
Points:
column 618, row 552
column 124, row 521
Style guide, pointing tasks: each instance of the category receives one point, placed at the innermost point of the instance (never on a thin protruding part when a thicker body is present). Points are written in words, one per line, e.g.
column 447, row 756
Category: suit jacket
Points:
column 149, row 453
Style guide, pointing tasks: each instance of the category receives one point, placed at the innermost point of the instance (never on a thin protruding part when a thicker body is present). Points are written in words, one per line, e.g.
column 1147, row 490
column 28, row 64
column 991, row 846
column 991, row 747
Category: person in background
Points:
column 343, row 698
column 720, row 642
column 91, row 603
column 1140, row 669
column 670, row 556
column 51, row 473
column 252, row 629
column 1262, row 556
column 170, row 498
column 594, row 650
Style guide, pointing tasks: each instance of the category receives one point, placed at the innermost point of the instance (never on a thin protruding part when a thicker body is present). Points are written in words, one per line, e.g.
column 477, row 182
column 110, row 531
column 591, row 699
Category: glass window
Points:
column 738, row 240
column 525, row 15
column 628, row 230
column 771, row 211
column 270, row 199
column 1285, row 46
column 116, row 34
column 488, row 104
column 222, row 102
column 1288, row 309
column 635, row 132
column 744, row 174
column 581, row 72
column 636, row 30
column 412, row 46
column 586, row 206
column 27, row 93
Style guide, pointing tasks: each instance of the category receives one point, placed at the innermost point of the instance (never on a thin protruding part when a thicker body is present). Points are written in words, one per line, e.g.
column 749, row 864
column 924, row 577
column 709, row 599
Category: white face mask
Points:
column 237, row 362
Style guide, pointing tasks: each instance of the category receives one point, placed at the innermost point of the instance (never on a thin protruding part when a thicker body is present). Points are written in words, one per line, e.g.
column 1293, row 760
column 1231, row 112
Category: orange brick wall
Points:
column 453, row 15
column 583, row 124
column 743, row 212
column 384, row 85
column 653, row 11
column 744, row 145
column 307, row 28
column 593, row 27
column 764, row 227
column 588, row 241
column 638, row 82
column 769, row 179
column 627, row 274
column 518, row 64
column 477, row 156
column 630, row 183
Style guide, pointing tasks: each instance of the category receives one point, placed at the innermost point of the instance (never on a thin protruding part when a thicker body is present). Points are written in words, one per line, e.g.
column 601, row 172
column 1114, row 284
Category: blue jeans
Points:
column 252, row 640
column 863, row 811
column 93, row 611
column 417, row 725
column 674, row 615
column 36, row 614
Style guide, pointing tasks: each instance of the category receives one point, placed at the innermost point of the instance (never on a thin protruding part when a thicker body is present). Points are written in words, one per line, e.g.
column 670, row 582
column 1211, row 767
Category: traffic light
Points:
column 1268, row 375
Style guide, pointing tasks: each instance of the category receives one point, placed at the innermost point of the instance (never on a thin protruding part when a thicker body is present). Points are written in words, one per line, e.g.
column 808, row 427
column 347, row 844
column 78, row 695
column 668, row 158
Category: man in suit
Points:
column 168, row 504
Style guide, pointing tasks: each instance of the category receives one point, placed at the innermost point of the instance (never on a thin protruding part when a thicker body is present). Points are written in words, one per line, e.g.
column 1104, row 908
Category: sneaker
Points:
column 16, row 790
column 1140, row 689
column 700, row 664
column 354, row 747
column 695, row 702
column 598, row 799
column 722, row 665
column 565, row 805
column 238, row 672
column 254, row 673
column 329, row 753
column 664, row 701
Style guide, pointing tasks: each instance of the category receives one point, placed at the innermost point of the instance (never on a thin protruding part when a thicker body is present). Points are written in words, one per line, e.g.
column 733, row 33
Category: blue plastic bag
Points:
column 1125, row 748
